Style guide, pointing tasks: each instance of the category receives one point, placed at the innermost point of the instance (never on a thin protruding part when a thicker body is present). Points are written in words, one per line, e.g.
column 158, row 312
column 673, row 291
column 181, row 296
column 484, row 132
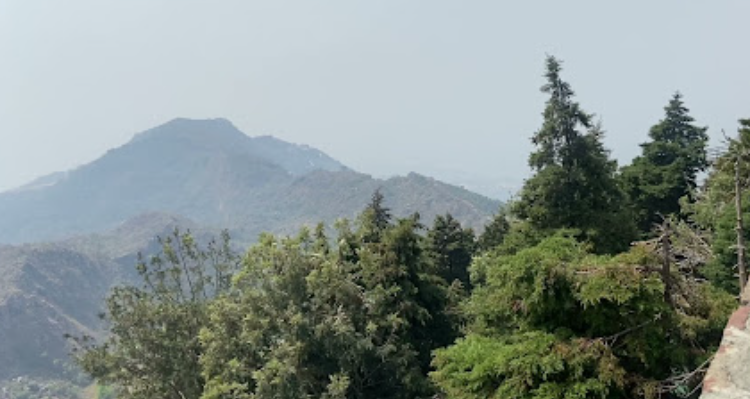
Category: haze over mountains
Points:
column 67, row 238
column 211, row 172
column 48, row 290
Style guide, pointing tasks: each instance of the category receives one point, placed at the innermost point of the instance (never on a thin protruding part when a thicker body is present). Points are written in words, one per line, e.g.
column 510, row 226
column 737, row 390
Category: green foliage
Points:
column 494, row 233
column 528, row 365
column 668, row 167
column 714, row 210
column 376, row 216
column 553, row 321
column 153, row 348
column 722, row 269
column 305, row 320
column 268, row 339
column 450, row 248
column 574, row 185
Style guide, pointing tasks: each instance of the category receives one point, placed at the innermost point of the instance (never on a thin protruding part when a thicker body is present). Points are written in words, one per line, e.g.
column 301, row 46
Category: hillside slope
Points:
column 327, row 196
column 209, row 171
column 46, row 292
column 52, row 289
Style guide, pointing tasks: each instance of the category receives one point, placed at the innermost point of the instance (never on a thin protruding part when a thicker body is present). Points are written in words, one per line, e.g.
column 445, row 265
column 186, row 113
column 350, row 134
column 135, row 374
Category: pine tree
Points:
column 723, row 207
column 450, row 247
column 668, row 167
column 375, row 218
column 574, row 185
column 494, row 233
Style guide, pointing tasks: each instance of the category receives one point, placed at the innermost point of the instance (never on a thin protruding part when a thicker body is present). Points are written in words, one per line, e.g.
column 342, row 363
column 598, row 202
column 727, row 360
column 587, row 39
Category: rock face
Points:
column 729, row 374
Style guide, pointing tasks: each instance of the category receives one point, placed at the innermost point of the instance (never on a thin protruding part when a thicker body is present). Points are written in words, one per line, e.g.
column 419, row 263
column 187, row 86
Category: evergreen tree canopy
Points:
column 375, row 218
column 494, row 233
column 303, row 324
column 574, row 185
column 667, row 169
column 285, row 331
column 451, row 247
column 554, row 322
column 714, row 209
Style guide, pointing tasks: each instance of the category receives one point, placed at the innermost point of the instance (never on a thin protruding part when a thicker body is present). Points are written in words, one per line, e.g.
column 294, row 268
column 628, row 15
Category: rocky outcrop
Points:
column 729, row 374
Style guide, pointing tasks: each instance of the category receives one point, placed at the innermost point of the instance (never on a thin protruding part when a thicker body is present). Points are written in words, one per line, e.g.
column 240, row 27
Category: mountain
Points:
column 323, row 195
column 214, row 174
column 48, row 290
column 198, row 174
column 296, row 159
column 45, row 292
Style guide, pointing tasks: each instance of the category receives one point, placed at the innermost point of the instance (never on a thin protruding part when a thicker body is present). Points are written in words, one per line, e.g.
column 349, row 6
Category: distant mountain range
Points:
column 211, row 172
column 75, row 234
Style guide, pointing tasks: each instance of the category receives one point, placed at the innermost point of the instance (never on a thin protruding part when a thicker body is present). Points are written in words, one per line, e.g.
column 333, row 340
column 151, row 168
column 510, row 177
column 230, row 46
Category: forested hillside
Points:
column 597, row 282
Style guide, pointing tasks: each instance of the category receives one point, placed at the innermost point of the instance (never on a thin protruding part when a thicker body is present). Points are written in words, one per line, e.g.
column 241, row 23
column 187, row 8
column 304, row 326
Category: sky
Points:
column 445, row 88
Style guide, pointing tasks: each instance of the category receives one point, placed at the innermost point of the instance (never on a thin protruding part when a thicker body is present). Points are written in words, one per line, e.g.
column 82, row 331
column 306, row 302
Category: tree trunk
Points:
column 666, row 249
column 740, row 231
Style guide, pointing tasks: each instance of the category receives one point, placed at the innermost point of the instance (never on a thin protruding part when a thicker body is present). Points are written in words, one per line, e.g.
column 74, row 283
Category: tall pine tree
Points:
column 667, row 169
column 450, row 248
column 574, row 185
column 375, row 218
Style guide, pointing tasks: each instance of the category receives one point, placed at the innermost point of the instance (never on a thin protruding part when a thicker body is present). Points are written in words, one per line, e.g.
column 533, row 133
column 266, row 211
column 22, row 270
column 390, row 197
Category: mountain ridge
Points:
column 77, row 234
column 211, row 172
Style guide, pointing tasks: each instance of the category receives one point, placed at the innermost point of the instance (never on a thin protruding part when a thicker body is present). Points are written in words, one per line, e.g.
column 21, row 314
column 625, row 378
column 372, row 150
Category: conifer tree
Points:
column 494, row 233
column 552, row 321
column 574, row 185
column 450, row 247
column 666, row 170
column 375, row 218
column 723, row 208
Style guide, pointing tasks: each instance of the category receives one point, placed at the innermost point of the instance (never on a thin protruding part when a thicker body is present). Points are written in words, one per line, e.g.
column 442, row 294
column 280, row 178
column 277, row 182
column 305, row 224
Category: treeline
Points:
column 597, row 282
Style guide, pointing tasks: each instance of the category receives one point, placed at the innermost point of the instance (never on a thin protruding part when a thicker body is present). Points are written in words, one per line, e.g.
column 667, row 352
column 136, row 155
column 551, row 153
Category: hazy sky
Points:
column 446, row 88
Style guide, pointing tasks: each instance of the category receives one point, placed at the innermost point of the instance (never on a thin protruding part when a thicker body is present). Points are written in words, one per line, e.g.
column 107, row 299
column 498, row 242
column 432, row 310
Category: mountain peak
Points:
column 198, row 130
column 221, row 135
column 208, row 123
